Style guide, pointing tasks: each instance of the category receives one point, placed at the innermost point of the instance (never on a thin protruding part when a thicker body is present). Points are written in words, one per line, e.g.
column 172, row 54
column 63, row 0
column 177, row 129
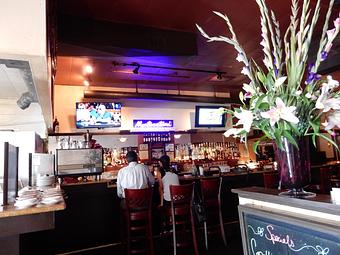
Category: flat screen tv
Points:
column 98, row 115
column 209, row 116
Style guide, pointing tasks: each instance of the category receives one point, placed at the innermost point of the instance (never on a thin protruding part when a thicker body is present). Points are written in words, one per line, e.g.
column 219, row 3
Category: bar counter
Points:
column 273, row 224
column 16, row 221
column 92, row 215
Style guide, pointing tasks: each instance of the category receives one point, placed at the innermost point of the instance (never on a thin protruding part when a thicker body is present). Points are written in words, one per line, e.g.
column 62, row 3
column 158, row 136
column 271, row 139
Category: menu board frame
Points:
column 284, row 241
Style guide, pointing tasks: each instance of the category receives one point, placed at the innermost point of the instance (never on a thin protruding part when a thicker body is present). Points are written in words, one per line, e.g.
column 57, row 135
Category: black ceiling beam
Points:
column 108, row 36
column 168, row 97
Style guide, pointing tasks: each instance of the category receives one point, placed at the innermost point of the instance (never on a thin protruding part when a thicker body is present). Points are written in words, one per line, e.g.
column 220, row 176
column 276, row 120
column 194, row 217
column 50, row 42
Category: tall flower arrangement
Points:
column 286, row 98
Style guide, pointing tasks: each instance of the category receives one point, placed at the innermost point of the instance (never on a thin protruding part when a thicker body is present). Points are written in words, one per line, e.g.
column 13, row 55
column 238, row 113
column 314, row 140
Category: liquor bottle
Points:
column 55, row 125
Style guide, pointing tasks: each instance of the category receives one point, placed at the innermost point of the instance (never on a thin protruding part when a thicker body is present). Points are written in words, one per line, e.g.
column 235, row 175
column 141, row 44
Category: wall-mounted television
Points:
column 98, row 115
column 209, row 116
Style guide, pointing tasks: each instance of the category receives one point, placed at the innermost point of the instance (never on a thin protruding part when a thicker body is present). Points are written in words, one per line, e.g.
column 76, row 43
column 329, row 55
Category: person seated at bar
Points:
column 133, row 176
column 166, row 177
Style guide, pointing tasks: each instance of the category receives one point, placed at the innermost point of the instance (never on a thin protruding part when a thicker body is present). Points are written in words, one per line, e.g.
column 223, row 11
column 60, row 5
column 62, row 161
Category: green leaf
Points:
column 328, row 140
column 261, row 77
column 315, row 126
column 290, row 138
column 314, row 140
column 264, row 106
column 278, row 139
column 259, row 101
column 256, row 144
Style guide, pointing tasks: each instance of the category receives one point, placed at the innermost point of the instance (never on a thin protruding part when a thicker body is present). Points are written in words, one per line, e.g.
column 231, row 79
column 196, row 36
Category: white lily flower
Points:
column 328, row 104
column 250, row 91
column 280, row 81
column 333, row 120
column 233, row 132
column 245, row 71
column 240, row 58
column 263, row 43
column 245, row 118
column 281, row 111
column 332, row 83
column 324, row 102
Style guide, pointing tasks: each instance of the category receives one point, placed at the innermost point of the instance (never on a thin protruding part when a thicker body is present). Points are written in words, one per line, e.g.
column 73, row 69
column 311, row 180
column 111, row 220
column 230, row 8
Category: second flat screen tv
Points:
column 98, row 115
column 209, row 116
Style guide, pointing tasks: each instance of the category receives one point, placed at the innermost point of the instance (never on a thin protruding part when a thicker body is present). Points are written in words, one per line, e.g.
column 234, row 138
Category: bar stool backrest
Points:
column 139, row 219
column 211, row 197
column 138, row 199
column 210, row 189
column 182, row 195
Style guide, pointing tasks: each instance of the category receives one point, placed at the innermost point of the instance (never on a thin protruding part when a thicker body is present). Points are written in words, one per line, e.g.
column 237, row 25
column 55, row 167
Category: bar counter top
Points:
column 11, row 210
column 319, row 203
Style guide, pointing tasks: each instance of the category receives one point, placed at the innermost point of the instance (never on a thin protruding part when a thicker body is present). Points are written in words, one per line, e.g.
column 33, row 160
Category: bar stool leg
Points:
column 174, row 232
column 222, row 229
column 128, row 237
column 194, row 233
column 150, row 238
column 206, row 235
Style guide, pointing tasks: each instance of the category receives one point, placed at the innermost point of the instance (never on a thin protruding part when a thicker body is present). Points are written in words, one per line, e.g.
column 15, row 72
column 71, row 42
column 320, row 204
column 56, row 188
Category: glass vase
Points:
column 294, row 167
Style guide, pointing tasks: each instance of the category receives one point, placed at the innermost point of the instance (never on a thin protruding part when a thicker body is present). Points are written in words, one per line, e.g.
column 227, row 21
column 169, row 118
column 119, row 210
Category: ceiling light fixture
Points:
column 136, row 70
column 86, row 82
column 177, row 136
column 88, row 69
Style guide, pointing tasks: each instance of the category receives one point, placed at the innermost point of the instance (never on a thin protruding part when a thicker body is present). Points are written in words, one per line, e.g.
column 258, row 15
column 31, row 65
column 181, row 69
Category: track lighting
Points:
column 137, row 66
column 136, row 70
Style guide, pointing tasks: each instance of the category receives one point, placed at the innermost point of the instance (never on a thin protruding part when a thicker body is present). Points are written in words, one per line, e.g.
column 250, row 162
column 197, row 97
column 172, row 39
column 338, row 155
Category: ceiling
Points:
column 161, row 34
column 24, row 71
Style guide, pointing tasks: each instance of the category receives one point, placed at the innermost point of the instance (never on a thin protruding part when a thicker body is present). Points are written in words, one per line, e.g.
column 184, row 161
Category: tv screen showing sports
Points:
column 209, row 116
column 98, row 115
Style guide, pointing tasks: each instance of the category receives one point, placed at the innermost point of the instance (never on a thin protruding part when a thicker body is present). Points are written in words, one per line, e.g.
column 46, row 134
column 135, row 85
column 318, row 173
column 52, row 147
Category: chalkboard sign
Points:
column 271, row 234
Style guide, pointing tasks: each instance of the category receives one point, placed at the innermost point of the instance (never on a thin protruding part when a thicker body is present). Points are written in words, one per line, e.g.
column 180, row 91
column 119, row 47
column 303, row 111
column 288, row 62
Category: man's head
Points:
column 101, row 109
column 131, row 156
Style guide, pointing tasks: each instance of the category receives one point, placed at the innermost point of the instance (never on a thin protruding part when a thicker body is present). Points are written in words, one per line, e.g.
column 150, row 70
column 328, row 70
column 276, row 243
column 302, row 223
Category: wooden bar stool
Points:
column 211, row 197
column 139, row 220
column 182, row 217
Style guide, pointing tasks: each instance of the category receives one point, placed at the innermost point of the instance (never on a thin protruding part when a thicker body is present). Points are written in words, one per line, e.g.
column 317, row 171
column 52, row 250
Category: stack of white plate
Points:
column 45, row 180
column 52, row 196
column 27, row 198
column 335, row 195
